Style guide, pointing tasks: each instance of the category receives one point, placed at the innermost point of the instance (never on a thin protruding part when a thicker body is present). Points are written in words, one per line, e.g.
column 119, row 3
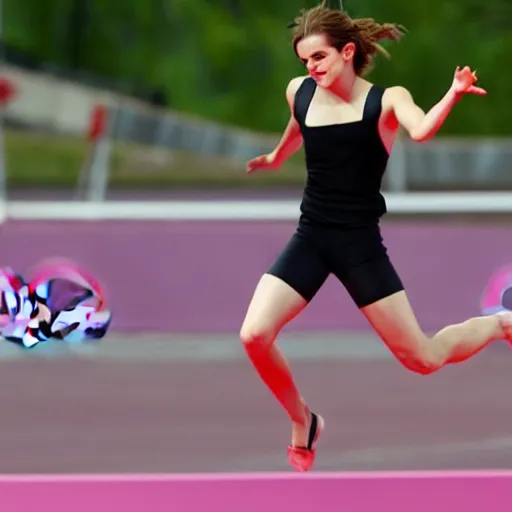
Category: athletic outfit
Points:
column 338, row 230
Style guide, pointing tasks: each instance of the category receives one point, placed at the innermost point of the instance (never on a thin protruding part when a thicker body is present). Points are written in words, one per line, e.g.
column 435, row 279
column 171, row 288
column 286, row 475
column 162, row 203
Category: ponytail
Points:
column 369, row 33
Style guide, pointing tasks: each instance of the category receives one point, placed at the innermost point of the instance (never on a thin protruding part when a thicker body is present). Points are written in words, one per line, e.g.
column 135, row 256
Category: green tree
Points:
column 231, row 60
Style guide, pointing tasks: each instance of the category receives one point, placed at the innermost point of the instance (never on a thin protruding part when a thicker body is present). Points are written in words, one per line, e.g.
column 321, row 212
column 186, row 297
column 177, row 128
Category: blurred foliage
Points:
column 231, row 60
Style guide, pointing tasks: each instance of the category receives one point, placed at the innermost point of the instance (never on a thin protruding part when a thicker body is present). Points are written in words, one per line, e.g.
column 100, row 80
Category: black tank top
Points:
column 345, row 165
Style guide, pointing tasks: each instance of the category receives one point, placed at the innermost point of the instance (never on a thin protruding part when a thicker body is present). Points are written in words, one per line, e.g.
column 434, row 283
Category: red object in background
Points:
column 98, row 122
column 7, row 91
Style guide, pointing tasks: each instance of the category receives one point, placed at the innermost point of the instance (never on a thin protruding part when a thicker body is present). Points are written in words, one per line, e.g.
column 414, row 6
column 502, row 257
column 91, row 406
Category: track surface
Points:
column 193, row 404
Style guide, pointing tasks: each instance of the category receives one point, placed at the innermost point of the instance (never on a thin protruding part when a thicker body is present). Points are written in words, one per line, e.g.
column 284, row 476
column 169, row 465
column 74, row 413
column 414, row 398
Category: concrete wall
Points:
column 47, row 101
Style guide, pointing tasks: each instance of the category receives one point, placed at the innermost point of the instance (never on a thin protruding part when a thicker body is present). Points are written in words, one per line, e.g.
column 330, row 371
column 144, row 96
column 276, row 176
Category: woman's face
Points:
column 325, row 64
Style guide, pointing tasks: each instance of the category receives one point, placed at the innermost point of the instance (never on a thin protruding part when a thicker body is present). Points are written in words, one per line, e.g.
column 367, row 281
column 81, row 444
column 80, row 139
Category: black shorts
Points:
column 357, row 257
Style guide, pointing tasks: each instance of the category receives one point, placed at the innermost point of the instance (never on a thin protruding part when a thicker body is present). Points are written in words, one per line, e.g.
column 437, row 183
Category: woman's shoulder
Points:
column 293, row 86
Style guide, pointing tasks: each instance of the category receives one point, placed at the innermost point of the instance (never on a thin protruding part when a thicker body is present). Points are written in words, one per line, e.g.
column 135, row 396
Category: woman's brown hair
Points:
column 340, row 29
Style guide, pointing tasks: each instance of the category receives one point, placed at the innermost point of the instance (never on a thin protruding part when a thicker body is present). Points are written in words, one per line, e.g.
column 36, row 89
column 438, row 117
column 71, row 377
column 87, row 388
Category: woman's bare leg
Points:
column 395, row 322
column 273, row 305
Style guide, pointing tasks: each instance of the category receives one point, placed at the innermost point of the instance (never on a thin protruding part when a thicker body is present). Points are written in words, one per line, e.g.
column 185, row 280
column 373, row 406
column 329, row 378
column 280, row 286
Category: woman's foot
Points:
column 301, row 453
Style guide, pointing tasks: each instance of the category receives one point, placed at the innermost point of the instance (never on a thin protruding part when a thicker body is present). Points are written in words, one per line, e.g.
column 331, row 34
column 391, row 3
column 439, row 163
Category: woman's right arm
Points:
column 290, row 141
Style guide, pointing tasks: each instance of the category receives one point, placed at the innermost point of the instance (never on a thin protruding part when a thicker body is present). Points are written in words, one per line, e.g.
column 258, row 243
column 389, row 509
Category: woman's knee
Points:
column 422, row 359
column 423, row 365
column 257, row 336
column 273, row 305
column 394, row 320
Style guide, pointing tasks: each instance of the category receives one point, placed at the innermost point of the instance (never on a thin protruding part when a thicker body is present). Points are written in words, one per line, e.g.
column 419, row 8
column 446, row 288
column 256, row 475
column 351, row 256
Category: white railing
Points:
column 252, row 210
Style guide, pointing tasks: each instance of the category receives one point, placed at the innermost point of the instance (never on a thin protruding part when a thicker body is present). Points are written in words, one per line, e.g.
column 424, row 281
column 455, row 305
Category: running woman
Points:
column 348, row 126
